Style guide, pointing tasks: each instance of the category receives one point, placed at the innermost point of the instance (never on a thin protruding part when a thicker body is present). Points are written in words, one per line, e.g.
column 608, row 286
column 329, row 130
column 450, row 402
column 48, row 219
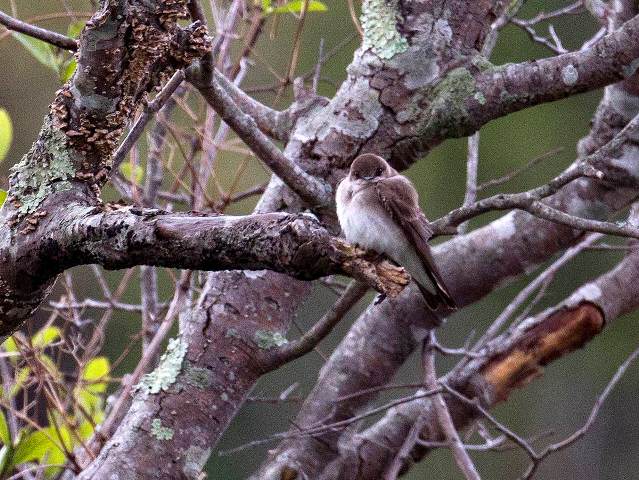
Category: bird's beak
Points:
column 368, row 177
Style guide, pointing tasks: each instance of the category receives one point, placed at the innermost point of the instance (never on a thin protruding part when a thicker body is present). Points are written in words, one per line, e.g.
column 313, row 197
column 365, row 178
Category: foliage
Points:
column 133, row 173
column 294, row 6
column 6, row 133
column 60, row 61
column 72, row 400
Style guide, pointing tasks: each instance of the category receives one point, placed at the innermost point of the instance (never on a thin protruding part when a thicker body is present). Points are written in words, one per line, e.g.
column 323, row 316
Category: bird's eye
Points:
column 378, row 172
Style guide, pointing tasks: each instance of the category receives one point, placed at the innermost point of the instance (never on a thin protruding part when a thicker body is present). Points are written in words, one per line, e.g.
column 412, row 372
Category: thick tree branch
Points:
column 510, row 88
column 293, row 244
column 71, row 159
column 510, row 361
column 273, row 123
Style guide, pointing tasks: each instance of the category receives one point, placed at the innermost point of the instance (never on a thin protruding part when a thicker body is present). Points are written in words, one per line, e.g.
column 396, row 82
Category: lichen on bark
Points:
column 47, row 168
column 379, row 22
column 448, row 109
column 160, row 432
column 167, row 371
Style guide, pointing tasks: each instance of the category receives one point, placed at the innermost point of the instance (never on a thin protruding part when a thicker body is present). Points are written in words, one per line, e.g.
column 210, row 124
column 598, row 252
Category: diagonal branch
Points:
column 509, row 88
column 312, row 190
column 54, row 38
column 273, row 123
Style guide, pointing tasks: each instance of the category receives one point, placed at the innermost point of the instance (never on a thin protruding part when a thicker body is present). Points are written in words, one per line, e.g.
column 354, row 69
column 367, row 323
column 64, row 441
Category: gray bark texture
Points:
column 423, row 82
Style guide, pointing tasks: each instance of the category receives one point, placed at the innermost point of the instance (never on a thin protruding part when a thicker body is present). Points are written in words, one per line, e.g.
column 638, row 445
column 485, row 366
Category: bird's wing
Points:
column 399, row 198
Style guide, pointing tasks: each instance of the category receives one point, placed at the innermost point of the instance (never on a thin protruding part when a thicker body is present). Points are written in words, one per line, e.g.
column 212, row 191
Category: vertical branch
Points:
column 462, row 459
column 472, row 165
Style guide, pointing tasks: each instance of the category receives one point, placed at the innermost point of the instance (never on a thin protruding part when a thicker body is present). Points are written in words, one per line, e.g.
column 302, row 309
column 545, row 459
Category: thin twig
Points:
column 150, row 109
column 54, row 38
column 591, row 418
column 353, row 293
column 494, row 182
column 463, row 461
column 594, row 165
column 472, row 165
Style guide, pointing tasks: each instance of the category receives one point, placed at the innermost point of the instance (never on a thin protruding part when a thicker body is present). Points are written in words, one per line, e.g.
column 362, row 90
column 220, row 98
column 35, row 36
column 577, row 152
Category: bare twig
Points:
column 594, row 166
column 518, row 171
column 591, row 418
column 472, row 164
column 151, row 108
column 54, row 38
column 353, row 293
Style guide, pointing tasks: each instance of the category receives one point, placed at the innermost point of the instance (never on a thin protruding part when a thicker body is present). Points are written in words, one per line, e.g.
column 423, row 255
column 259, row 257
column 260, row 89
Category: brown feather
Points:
column 399, row 198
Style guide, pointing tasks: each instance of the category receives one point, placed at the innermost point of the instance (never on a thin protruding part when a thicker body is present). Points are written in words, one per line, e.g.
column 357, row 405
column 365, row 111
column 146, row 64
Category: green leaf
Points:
column 134, row 175
column 21, row 378
column 46, row 336
column 5, row 435
column 5, row 456
column 75, row 28
column 97, row 369
column 33, row 446
column 266, row 6
column 6, row 133
column 41, row 51
column 9, row 345
column 295, row 6
column 68, row 70
column 3, row 196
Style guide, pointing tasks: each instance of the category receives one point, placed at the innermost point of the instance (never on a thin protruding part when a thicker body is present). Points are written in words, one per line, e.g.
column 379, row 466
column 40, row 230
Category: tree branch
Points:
column 293, row 244
column 511, row 360
column 277, row 357
column 275, row 124
column 54, row 38
column 312, row 190
column 509, row 88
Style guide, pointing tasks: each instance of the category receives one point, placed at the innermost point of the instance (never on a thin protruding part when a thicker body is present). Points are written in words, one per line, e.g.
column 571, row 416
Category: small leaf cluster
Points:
column 293, row 6
column 70, row 399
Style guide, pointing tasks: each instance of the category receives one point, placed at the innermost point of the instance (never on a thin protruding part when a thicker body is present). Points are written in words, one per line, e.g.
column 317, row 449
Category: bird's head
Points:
column 369, row 167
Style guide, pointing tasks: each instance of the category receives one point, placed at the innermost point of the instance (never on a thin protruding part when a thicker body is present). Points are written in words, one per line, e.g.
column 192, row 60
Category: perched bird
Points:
column 378, row 209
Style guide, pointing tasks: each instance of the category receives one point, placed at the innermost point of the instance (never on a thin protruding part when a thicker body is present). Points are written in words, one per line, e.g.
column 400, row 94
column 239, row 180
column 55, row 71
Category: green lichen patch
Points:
column 160, row 432
column 47, row 168
column 482, row 63
column 265, row 339
column 232, row 333
column 167, row 371
column 379, row 23
column 198, row 377
column 448, row 103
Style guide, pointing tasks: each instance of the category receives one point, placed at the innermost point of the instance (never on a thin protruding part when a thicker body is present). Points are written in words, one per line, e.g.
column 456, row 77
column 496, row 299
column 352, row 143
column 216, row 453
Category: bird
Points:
column 378, row 209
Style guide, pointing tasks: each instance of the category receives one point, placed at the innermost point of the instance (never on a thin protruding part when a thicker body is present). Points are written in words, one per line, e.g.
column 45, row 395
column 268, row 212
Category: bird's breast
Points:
column 369, row 226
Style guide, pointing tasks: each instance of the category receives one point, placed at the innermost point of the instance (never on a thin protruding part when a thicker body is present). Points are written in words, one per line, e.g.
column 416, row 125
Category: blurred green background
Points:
column 558, row 402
